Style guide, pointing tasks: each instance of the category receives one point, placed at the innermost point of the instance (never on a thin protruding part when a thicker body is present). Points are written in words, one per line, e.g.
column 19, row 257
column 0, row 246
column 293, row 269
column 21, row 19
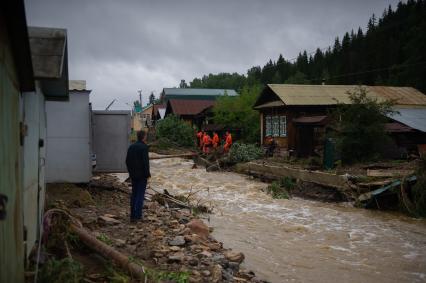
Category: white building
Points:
column 68, row 158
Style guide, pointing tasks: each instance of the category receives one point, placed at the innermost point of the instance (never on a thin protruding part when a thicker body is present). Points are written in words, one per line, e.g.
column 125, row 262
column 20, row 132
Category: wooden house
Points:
column 193, row 105
column 296, row 115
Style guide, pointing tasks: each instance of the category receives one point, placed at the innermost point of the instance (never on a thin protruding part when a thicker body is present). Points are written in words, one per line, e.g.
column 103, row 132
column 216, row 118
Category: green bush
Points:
column 282, row 188
column 360, row 127
column 65, row 270
column 277, row 191
column 176, row 131
column 241, row 152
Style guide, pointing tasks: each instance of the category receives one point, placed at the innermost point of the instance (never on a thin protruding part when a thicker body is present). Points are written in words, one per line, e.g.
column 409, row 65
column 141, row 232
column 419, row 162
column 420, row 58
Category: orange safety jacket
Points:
column 207, row 140
column 216, row 140
column 228, row 139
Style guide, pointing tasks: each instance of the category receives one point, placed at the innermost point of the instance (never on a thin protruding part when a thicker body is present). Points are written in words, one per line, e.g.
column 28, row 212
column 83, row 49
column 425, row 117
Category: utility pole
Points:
column 140, row 97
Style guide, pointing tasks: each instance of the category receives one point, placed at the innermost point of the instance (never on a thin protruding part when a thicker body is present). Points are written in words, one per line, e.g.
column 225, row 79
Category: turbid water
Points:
column 298, row 240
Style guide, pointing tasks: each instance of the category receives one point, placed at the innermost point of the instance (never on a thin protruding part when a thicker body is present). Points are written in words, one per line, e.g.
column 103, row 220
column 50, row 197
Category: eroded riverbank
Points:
column 299, row 240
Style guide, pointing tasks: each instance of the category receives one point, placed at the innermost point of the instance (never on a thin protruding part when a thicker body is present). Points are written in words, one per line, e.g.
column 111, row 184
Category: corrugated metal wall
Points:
column 11, row 234
column 34, row 160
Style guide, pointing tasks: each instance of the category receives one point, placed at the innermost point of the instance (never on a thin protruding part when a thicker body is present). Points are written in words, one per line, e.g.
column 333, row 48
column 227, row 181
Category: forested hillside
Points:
column 391, row 50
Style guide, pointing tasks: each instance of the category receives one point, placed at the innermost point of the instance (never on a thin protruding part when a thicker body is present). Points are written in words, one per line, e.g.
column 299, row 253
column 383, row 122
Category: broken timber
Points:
column 339, row 182
column 187, row 155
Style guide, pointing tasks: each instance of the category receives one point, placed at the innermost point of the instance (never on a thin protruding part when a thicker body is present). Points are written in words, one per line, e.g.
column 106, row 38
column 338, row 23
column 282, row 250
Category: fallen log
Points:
column 135, row 270
column 188, row 155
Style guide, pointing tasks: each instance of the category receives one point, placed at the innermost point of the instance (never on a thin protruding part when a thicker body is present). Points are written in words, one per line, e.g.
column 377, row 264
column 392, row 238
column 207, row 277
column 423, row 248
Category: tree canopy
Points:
column 390, row 51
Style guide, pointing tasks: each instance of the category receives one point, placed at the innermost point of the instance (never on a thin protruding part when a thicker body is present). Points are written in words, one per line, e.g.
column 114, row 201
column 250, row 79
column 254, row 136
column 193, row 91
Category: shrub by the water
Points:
column 282, row 188
column 241, row 152
column 176, row 131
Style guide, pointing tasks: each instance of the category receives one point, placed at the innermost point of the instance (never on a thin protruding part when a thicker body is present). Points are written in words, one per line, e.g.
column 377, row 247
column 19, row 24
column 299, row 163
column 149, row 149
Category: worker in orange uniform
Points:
column 199, row 137
column 215, row 140
column 228, row 142
column 207, row 142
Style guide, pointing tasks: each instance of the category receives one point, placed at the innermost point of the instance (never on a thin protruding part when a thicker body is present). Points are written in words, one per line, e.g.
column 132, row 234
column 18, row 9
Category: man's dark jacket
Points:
column 137, row 161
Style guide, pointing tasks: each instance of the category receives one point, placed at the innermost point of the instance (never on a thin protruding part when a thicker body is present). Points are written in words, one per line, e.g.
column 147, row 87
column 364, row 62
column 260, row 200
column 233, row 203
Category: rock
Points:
column 219, row 258
column 175, row 248
column 176, row 257
column 120, row 243
column 234, row 256
column 217, row 273
column 205, row 254
column 195, row 278
column 228, row 275
column 177, row 241
column 215, row 246
column 194, row 238
column 183, row 220
column 108, row 220
column 198, row 227
column 111, row 216
column 193, row 261
column 195, row 272
column 158, row 233
column 206, row 273
column 234, row 266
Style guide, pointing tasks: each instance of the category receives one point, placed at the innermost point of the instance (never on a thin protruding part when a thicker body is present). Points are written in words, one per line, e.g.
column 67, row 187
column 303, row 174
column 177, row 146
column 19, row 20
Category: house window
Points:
column 283, row 126
column 268, row 130
column 276, row 125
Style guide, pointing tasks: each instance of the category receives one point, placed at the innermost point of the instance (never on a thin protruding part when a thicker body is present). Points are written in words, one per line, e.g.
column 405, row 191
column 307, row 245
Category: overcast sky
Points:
column 119, row 47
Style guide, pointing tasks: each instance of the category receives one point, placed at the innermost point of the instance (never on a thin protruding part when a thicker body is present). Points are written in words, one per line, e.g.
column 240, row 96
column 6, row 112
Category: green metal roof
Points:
column 198, row 92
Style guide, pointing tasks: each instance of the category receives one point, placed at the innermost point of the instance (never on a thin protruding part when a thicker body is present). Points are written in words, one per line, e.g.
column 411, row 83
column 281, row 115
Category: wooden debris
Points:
column 388, row 173
column 108, row 252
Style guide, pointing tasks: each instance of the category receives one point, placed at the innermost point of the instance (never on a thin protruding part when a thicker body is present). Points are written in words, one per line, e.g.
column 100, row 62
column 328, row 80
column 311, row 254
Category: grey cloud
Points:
column 121, row 46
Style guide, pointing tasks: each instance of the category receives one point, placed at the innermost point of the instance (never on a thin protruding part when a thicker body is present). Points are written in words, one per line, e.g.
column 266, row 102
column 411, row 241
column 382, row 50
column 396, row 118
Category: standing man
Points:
column 228, row 141
column 137, row 161
column 215, row 140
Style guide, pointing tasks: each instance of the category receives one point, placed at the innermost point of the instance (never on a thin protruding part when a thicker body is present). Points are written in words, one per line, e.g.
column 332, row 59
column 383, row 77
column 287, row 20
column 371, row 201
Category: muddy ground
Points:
column 171, row 242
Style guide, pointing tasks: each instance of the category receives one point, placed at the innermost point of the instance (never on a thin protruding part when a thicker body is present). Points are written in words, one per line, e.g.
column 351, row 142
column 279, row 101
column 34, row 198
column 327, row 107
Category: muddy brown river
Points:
column 299, row 240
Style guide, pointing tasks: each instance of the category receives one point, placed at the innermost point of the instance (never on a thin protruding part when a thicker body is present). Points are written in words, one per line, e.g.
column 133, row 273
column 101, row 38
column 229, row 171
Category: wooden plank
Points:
column 388, row 172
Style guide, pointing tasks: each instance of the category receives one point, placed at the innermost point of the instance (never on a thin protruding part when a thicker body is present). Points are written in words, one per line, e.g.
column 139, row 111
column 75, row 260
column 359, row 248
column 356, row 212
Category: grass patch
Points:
column 159, row 276
column 281, row 189
column 65, row 270
column 105, row 239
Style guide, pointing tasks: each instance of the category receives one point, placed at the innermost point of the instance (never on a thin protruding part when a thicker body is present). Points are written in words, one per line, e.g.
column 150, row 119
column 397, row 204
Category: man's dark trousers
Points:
column 137, row 198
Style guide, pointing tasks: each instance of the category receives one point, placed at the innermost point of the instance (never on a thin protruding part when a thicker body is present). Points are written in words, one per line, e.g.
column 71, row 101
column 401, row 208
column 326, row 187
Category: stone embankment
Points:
column 169, row 238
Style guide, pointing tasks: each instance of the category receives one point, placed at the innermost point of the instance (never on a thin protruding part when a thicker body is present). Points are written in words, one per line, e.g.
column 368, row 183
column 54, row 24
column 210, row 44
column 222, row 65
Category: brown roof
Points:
column 398, row 128
column 401, row 95
column 156, row 107
column 291, row 94
column 189, row 106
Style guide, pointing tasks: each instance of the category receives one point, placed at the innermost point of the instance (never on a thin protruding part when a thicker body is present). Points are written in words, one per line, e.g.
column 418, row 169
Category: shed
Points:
column 111, row 138
column 68, row 157
column 49, row 86
column 16, row 77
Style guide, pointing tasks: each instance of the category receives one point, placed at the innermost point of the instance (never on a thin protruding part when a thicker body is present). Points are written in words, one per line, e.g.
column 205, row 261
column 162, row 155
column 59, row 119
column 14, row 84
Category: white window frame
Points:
column 283, row 126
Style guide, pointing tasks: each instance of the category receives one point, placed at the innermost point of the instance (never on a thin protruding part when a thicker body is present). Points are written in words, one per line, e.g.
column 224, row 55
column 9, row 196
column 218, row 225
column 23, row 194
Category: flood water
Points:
column 299, row 240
